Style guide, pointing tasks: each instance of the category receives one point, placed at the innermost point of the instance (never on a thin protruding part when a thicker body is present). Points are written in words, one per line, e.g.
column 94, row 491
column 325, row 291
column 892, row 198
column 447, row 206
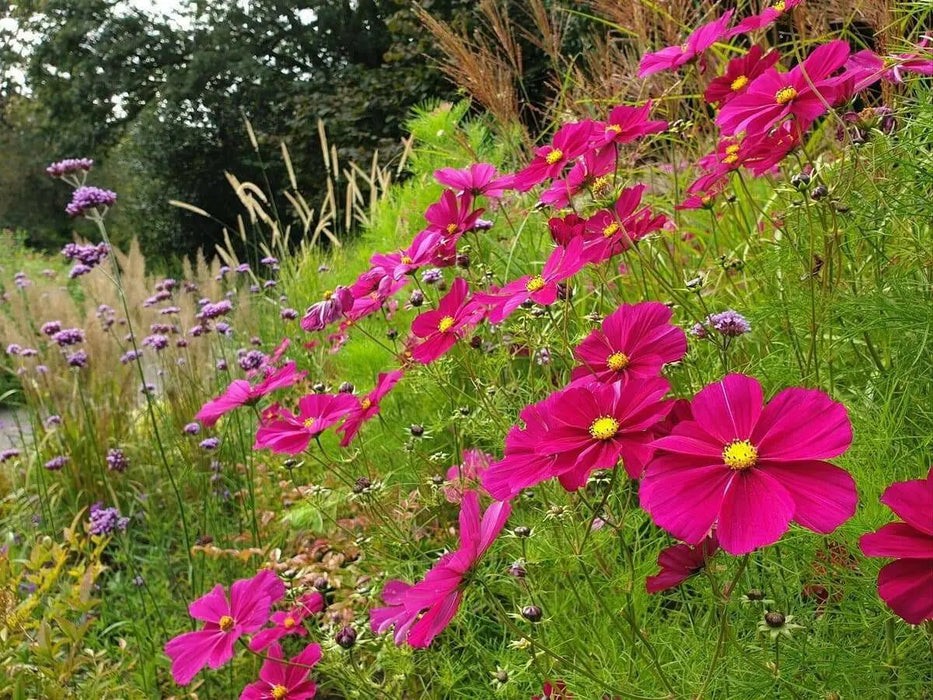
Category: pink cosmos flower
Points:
column 570, row 142
column 441, row 328
column 906, row 583
column 542, row 289
column 466, row 476
column 452, row 216
column 625, row 124
column 421, row 252
column 242, row 393
column 334, row 305
column 866, row 67
column 563, row 230
column 635, row 340
column 588, row 172
column 284, row 433
column 225, row 621
column 373, row 290
column 420, row 612
column 611, row 231
column 285, row 681
column 802, row 93
column 750, row 470
column 679, row 562
column 759, row 154
column 739, row 73
column 594, row 426
column 554, row 691
column 368, row 407
column 765, row 18
column 480, row 179
column 673, row 57
column 287, row 622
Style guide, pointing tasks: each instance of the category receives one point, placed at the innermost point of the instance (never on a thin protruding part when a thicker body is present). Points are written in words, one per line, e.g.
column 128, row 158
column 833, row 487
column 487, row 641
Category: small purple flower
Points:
column 212, row 310
column 242, row 267
column 224, row 328
column 162, row 328
column 192, row 429
column 56, row 463
column 698, row 330
column 116, row 460
column 323, row 313
column 77, row 359
column 289, row 314
column 14, row 349
column 28, row 352
column 79, row 270
column 21, row 280
column 88, row 255
column 9, row 454
column 157, row 342
column 86, row 198
column 130, row 356
column 69, row 166
column 254, row 359
column 255, row 340
column 254, row 289
column 729, row 323
column 482, row 225
column 105, row 521
column 52, row 421
column 147, row 388
column 42, row 369
column 199, row 330
column 181, row 343
column 157, row 298
column 543, row 356
column 269, row 260
column 269, row 284
column 221, row 365
column 50, row 328
column 69, row 336
column 432, row 275
column 170, row 311
column 211, row 443
column 138, row 581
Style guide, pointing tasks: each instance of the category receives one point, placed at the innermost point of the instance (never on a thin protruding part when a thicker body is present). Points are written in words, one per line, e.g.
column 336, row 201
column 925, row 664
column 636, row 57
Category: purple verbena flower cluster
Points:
column 69, row 166
column 86, row 198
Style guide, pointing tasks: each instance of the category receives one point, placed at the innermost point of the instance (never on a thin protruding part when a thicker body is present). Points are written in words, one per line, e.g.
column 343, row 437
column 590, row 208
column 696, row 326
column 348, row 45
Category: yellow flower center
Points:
column 739, row 83
column 604, row 428
column 406, row 260
column 610, row 230
column 328, row 294
column 732, row 148
column 365, row 403
column 535, row 283
column 288, row 622
column 706, row 199
column 309, row 422
column 452, row 228
column 278, row 692
column 739, row 455
column 615, row 128
column 617, row 361
column 785, row 95
column 554, row 156
column 445, row 324
column 225, row 623
column 730, row 159
column 779, row 6
column 601, row 185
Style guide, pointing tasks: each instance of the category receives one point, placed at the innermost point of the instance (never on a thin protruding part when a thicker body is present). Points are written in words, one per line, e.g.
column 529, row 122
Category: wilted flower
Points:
column 323, row 313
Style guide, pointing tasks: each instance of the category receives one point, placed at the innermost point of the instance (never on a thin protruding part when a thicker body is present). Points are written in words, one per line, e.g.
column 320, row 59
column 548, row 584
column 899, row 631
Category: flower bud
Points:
column 346, row 637
column 416, row 299
column 346, row 388
column 532, row 613
column 774, row 619
column 361, row 485
column 522, row 531
column 416, row 430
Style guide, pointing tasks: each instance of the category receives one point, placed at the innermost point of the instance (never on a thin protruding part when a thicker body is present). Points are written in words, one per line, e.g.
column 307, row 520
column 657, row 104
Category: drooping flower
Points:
column 768, row 16
column 467, row 476
column 679, row 562
column 441, row 328
column 368, row 407
column 421, row 252
column 905, row 584
column 611, row 231
column 569, row 143
column 588, row 172
column 635, row 340
column 563, row 230
column 739, row 74
column 802, row 93
column 334, row 305
column 479, row 179
column 696, row 44
column 86, row 198
column 279, row 680
column 242, row 393
column 225, row 621
column 420, row 612
column 542, row 288
column 288, row 622
column 749, row 470
column 627, row 123
column 285, row 433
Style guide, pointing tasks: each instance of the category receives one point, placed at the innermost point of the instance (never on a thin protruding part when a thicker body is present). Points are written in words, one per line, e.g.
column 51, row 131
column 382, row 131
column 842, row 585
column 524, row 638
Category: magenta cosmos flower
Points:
column 242, row 393
column 467, row 476
column 280, row 680
column 570, row 142
column 802, row 93
column 768, row 16
column 441, row 328
column 288, row 622
column 480, row 179
column 285, row 433
column 906, row 584
column 739, row 73
column 368, row 407
column 679, row 562
column 420, row 612
column 452, row 216
column 673, row 57
column 542, row 288
column 750, row 470
column 611, row 231
column 625, row 124
column 589, row 172
column 634, row 340
column 421, row 252
column 225, row 621
column 334, row 305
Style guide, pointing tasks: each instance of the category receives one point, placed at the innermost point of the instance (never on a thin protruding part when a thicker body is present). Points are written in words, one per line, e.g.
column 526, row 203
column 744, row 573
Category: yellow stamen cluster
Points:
column 779, row 6
column 601, row 186
column 604, row 428
column 740, row 455
column 225, row 623
column 732, row 154
column 739, row 83
column 406, row 260
column 554, row 156
column 278, row 692
column 535, row 283
column 617, row 361
column 328, row 294
column 785, row 95
column 615, row 128
column 365, row 404
column 289, row 622
column 445, row 324
column 611, row 230
column 308, row 422
column 452, row 228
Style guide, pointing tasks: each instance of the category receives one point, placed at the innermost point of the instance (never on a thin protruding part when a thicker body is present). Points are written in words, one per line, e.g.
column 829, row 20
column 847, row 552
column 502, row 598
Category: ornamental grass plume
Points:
column 749, row 469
